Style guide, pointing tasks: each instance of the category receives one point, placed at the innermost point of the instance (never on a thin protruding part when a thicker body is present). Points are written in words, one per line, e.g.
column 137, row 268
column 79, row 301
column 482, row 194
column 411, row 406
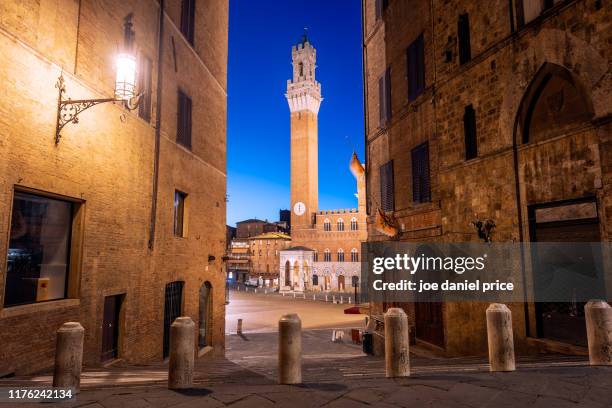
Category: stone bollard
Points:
column 290, row 349
column 349, row 301
column 314, row 297
column 334, row 299
column 304, row 295
column 341, row 300
column 239, row 327
column 69, row 356
column 397, row 349
column 294, row 295
column 598, row 315
column 326, row 298
column 182, row 353
column 283, row 294
column 499, row 335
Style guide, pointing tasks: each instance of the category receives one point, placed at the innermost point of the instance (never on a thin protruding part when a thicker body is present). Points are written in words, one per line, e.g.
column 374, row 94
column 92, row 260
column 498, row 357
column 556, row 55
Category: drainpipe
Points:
column 158, row 111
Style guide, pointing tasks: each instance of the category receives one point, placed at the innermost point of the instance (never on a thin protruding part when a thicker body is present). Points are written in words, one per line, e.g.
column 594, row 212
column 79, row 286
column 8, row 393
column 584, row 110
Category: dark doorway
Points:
column 205, row 334
column 110, row 327
column 172, row 309
column 574, row 221
column 429, row 322
column 287, row 273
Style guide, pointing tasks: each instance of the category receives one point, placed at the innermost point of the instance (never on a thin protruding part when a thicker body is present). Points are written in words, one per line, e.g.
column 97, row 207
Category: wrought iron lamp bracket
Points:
column 68, row 110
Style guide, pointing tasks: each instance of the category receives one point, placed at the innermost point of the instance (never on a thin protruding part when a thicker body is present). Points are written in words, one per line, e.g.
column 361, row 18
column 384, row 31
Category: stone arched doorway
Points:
column 341, row 283
column 555, row 198
column 205, row 315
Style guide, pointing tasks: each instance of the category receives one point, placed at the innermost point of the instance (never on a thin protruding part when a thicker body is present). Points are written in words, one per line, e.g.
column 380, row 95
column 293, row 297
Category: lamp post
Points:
column 68, row 110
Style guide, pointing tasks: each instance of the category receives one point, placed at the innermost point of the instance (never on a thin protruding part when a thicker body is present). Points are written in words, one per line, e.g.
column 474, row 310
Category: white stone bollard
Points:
column 326, row 298
column 290, row 349
column 397, row 349
column 349, row 301
column 239, row 327
column 341, row 300
column 304, row 295
column 294, row 295
column 314, row 297
column 334, row 299
column 283, row 294
column 182, row 353
column 499, row 335
column 598, row 314
column 69, row 356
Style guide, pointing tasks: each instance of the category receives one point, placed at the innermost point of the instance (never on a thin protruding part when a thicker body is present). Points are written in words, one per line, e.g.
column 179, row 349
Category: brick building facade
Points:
column 99, row 228
column 265, row 252
column 497, row 112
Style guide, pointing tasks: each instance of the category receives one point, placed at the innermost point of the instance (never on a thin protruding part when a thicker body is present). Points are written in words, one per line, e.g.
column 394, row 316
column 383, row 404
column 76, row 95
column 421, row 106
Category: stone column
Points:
column 69, row 356
column 598, row 315
column 499, row 335
column 182, row 353
column 397, row 349
column 290, row 349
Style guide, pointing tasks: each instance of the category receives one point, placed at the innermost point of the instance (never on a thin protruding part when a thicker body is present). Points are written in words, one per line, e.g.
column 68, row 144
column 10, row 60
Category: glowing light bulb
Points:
column 125, row 84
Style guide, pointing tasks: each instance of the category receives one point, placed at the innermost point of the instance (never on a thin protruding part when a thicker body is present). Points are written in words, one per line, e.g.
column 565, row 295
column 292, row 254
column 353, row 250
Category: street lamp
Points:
column 68, row 110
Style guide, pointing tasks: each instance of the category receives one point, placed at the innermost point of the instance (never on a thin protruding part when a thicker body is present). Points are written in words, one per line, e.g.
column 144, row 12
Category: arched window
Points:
column 340, row 224
column 327, row 255
column 354, row 255
column 340, row 255
column 315, row 280
column 315, row 256
column 327, row 225
column 354, row 225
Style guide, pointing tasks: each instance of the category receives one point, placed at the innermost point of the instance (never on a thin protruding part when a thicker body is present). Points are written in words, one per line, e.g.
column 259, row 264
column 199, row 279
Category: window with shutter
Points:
column 415, row 62
column 144, row 87
column 463, row 32
column 183, row 132
column 386, row 186
column 188, row 19
column 421, row 188
column 469, row 131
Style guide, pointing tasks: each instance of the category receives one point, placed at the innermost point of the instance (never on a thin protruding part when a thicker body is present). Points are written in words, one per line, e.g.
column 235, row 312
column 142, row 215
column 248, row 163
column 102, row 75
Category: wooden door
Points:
column 429, row 322
column 110, row 328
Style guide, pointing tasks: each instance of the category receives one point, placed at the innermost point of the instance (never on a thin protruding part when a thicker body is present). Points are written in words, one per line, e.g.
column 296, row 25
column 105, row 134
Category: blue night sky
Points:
column 261, row 34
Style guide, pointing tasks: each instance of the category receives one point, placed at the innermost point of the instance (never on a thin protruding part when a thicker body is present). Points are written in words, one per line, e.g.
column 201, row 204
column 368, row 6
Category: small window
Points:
column 144, row 87
column 39, row 249
column 384, row 97
column 326, row 225
column 463, row 32
column 327, row 256
column 315, row 280
column 188, row 19
column 179, row 214
column 340, row 224
column 386, row 186
column 183, row 131
column 315, row 256
column 415, row 63
column 340, row 255
column 469, row 131
column 354, row 224
column 421, row 190
column 354, row 255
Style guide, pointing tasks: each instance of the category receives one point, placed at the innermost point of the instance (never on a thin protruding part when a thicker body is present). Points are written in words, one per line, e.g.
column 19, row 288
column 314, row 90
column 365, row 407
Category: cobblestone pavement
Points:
column 339, row 375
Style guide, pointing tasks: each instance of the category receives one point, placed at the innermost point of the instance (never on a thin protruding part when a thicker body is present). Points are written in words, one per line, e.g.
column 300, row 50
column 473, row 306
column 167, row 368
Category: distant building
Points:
column 285, row 218
column 325, row 245
column 265, row 255
column 253, row 226
column 238, row 263
column 230, row 234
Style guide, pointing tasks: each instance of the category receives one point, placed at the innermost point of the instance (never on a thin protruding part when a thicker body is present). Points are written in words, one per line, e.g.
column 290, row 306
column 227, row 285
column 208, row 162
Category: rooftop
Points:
column 271, row 235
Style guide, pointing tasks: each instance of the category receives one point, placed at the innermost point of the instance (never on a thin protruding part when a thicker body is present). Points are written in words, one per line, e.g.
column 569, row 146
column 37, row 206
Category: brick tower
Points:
column 304, row 98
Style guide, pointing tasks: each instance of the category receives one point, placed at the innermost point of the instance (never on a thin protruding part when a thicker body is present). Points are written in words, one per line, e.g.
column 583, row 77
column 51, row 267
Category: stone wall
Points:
column 507, row 58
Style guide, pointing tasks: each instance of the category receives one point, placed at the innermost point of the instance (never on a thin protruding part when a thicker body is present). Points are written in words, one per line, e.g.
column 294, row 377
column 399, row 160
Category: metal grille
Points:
column 172, row 310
